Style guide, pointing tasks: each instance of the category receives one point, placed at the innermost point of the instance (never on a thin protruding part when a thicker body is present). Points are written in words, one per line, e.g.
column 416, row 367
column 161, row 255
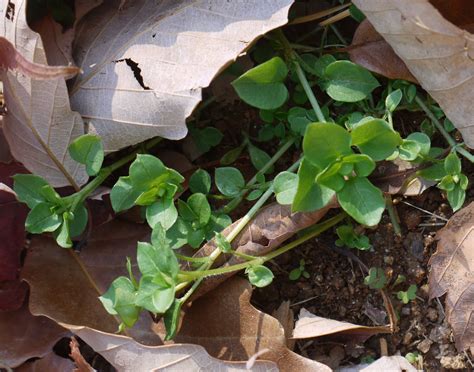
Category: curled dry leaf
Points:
column 127, row 355
column 24, row 336
column 51, row 363
column 230, row 328
column 145, row 67
column 369, row 49
column 438, row 53
column 452, row 272
column 269, row 229
column 309, row 325
column 69, row 293
column 393, row 363
column 40, row 125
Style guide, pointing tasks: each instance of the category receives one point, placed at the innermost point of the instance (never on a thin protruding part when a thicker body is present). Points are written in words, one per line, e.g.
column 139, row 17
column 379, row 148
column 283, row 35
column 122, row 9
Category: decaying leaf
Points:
column 393, row 363
column 452, row 272
column 50, row 363
column 269, row 229
column 309, row 325
column 127, row 355
column 369, row 49
column 24, row 336
column 230, row 328
column 438, row 53
column 12, row 239
column 40, row 125
column 145, row 67
column 69, row 293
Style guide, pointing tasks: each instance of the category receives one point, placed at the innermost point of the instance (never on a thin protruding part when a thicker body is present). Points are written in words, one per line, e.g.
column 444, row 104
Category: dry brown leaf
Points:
column 5, row 154
column 269, row 229
column 69, row 293
column 452, row 272
column 230, row 328
column 399, row 177
column 127, row 355
column 50, row 363
column 39, row 125
column 24, row 336
column 145, row 67
column 393, row 363
column 309, row 325
column 439, row 54
column 369, row 49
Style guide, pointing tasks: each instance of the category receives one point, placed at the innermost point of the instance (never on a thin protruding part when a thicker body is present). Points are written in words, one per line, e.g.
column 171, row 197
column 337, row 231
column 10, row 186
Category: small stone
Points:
column 339, row 282
column 454, row 362
column 319, row 278
column 432, row 314
column 406, row 310
column 424, row 346
column 407, row 338
column 420, row 274
column 388, row 260
column 424, row 291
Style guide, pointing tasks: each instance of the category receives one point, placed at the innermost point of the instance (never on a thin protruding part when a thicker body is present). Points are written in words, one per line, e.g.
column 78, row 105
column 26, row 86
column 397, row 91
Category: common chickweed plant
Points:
column 339, row 153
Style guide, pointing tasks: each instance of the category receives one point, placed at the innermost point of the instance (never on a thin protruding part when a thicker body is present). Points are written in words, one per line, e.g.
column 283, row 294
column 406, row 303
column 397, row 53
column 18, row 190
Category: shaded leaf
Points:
column 395, row 363
column 51, row 362
column 228, row 326
column 127, row 355
column 149, row 56
column 39, row 127
column 452, row 272
column 309, row 325
column 437, row 52
column 24, row 336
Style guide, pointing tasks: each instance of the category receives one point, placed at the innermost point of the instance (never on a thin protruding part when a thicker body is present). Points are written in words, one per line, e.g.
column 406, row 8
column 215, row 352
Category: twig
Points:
column 304, row 301
column 392, row 212
column 424, row 210
column 318, row 15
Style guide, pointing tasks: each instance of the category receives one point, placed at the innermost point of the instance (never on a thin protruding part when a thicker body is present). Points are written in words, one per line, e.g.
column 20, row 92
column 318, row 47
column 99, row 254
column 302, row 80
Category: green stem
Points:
column 338, row 34
column 313, row 232
column 236, row 201
column 191, row 259
column 443, row 131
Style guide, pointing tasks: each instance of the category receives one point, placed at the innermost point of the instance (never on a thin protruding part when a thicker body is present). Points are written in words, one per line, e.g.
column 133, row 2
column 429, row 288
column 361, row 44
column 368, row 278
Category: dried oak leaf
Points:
column 24, row 336
column 438, row 53
column 12, row 239
column 50, row 363
column 269, row 229
column 144, row 68
column 127, row 355
column 39, row 125
column 452, row 272
column 369, row 49
column 309, row 325
column 69, row 293
column 230, row 328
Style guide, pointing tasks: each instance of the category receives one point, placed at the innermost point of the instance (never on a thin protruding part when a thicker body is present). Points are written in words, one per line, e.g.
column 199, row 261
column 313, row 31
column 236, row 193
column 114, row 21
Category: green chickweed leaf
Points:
column 296, row 273
column 162, row 212
column 200, row 181
column 206, row 138
column 263, row 86
column 259, row 158
column 393, row 100
column 260, row 276
column 155, row 293
column 322, row 63
column 452, row 164
column 232, row 155
column 454, row 183
column 347, row 82
column 409, row 150
column 32, row 190
column 348, row 237
column 42, row 218
column 222, row 243
column 376, row 278
column 88, row 150
column 285, row 185
column 407, row 296
column 412, row 357
column 229, row 181
column 171, row 319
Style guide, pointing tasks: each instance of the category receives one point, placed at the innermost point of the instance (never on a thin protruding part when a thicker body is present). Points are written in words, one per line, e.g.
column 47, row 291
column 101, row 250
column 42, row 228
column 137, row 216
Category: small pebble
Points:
column 388, row 260
column 319, row 278
column 454, row 362
column 406, row 310
column 424, row 346
column 407, row 338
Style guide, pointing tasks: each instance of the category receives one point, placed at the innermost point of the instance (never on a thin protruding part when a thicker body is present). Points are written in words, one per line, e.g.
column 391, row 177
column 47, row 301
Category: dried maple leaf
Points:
column 438, row 53
column 230, row 328
column 127, row 355
column 145, row 67
column 452, row 272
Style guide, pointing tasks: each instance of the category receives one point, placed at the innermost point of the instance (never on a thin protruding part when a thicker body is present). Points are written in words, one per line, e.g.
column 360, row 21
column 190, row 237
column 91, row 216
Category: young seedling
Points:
column 408, row 295
column 349, row 238
column 299, row 272
column 376, row 278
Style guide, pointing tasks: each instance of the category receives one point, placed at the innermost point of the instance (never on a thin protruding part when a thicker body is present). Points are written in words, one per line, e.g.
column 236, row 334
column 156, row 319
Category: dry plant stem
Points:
column 456, row 146
column 318, row 15
column 393, row 215
column 335, row 18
